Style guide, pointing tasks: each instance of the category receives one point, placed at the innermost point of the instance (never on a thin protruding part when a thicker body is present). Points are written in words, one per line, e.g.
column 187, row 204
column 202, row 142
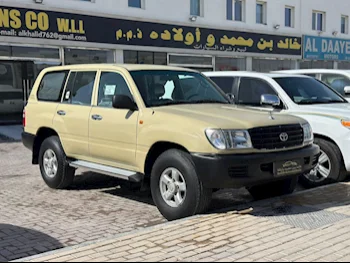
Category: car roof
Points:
column 312, row 71
column 129, row 67
column 249, row 74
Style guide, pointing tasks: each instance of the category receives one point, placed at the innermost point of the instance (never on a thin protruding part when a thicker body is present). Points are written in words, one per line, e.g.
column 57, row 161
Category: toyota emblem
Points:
column 284, row 137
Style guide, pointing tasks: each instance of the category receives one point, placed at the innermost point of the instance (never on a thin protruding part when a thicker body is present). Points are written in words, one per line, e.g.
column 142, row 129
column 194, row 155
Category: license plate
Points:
column 288, row 168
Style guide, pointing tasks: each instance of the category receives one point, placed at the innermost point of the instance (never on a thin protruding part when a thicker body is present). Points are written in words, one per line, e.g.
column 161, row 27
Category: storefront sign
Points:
column 19, row 22
column 321, row 48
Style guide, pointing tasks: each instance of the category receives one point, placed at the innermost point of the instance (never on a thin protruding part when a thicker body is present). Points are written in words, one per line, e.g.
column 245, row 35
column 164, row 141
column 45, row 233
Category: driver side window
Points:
column 337, row 82
column 250, row 91
column 111, row 84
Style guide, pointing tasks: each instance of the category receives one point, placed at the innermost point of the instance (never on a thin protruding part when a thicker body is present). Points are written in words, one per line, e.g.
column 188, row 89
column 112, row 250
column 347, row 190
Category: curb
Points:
column 147, row 229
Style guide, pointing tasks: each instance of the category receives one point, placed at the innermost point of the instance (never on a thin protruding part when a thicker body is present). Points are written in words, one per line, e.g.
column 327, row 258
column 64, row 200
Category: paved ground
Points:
column 308, row 226
column 35, row 219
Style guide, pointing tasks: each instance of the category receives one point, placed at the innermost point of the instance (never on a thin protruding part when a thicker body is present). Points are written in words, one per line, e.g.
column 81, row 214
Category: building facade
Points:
column 200, row 34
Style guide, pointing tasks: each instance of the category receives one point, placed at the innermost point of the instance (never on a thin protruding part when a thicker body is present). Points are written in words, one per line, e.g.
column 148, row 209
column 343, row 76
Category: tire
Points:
column 269, row 190
column 197, row 199
column 64, row 176
column 337, row 168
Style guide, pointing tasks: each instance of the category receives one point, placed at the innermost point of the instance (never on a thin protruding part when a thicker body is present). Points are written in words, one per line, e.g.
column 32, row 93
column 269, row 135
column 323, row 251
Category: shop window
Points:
column 87, row 56
column 267, row 65
column 344, row 65
column 32, row 52
column 143, row 57
column 191, row 60
column 51, row 53
column 316, row 64
column 230, row 64
column 5, row 51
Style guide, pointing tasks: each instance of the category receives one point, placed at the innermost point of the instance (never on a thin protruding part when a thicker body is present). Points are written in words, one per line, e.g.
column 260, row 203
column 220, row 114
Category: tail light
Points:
column 24, row 118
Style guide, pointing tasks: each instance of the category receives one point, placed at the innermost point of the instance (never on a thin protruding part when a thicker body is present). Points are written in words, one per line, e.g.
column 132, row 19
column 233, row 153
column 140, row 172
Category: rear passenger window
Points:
column 225, row 83
column 80, row 87
column 51, row 86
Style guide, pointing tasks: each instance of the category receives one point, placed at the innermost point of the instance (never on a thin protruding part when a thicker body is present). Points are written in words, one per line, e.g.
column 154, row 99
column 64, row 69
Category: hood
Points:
column 225, row 116
column 334, row 110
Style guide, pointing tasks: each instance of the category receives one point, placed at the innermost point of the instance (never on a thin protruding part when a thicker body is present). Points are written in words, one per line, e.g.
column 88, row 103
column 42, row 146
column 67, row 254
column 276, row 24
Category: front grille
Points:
column 239, row 171
column 269, row 137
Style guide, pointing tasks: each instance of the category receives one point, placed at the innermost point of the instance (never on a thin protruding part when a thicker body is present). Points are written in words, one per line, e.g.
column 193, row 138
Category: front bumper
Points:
column 236, row 171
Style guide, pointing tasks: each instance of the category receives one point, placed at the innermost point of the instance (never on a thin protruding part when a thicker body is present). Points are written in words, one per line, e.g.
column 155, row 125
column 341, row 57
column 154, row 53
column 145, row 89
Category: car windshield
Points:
column 168, row 87
column 308, row 91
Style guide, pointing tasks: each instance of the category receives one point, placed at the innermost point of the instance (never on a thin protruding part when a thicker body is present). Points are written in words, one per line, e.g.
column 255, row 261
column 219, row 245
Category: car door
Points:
column 72, row 115
column 250, row 92
column 337, row 81
column 112, row 132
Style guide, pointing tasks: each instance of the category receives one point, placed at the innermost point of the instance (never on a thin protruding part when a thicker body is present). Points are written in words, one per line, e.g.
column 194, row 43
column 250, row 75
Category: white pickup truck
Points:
column 306, row 97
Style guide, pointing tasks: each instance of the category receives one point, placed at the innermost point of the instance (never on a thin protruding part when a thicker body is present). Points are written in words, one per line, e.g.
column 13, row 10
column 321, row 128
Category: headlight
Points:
column 229, row 139
column 216, row 138
column 308, row 134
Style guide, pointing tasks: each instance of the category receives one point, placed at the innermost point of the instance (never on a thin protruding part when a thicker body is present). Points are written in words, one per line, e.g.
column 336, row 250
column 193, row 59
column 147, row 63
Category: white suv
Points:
column 306, row 97
column 339, row 80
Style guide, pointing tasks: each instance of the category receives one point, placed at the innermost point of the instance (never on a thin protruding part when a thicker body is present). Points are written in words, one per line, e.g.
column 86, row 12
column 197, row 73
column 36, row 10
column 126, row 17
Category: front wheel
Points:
column 330, row 167
column 176, row 188
column 268, row 190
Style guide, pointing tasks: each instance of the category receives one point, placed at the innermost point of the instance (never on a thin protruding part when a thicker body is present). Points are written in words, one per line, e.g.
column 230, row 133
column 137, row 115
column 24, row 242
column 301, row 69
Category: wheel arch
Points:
column 326, row 138
column 156, row 150
column 42, row 134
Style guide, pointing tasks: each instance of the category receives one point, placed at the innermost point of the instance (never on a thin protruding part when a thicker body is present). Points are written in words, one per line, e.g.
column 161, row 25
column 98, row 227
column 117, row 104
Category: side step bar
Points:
column 107, row 170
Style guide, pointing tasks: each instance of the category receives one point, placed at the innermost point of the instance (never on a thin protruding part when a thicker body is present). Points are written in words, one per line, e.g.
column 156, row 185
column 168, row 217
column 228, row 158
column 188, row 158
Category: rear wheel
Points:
column 54, row 168
column 176, row 188
column 330, row 168
column 283, row 187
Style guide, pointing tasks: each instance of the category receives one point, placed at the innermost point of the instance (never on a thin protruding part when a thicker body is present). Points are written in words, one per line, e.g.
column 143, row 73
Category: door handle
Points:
column 61, row 112
column 97, row 117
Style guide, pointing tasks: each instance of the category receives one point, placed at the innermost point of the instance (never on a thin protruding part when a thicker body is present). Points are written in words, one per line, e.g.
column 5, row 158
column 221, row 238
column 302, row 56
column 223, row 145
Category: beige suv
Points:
column 170, row 127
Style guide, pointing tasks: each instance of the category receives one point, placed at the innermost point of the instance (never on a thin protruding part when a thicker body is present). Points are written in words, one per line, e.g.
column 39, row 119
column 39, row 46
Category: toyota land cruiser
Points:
column 171, row 126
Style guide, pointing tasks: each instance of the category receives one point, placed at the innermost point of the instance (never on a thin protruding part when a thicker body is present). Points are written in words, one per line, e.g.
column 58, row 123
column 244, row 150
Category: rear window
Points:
column 225, row 83
column 51, row 86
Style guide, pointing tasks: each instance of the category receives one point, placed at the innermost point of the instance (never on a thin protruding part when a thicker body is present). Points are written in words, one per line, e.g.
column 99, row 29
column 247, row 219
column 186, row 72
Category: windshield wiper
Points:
column 209, row 101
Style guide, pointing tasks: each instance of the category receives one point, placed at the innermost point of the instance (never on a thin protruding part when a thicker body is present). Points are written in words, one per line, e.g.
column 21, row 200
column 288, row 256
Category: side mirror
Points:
column 270, row 100
column 124, row 102
column 231, row 97
column 347, row 90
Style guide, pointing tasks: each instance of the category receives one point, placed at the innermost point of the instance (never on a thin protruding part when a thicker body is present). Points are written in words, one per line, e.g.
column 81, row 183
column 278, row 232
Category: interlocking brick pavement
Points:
column 269, row 233
column 36, row 219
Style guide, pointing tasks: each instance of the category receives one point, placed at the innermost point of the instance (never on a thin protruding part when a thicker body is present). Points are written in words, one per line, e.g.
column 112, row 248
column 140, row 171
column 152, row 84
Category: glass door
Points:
column 12, row 91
